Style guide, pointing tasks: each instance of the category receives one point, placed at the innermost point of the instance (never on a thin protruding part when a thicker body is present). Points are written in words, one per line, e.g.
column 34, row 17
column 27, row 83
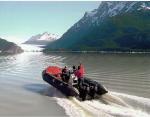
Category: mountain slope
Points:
column 9, row 47
column 113, row 26
column 42, row 39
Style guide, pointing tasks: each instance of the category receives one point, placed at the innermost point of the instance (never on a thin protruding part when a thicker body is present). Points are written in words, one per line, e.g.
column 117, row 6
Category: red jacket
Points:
column 80, row 73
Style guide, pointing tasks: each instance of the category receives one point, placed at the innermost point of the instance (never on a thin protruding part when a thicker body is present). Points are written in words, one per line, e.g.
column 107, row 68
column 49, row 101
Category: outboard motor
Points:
column 92, row 91
column 95, row 88
column 101, row 89
column 83, row 90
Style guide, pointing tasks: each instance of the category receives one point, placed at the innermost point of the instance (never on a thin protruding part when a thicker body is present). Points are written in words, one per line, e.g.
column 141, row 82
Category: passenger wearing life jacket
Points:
column 82, row 87
column 80, row 73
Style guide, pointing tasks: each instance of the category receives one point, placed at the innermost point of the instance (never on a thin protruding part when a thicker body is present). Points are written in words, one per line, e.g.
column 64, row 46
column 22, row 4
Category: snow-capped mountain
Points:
column 110, row 9
column 114, row 25
column 42, row 39
column 48, row 37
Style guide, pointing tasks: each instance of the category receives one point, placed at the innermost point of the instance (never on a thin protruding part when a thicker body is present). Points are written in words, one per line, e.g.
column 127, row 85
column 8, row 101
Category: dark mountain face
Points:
column 114, row 25
column 9, row 47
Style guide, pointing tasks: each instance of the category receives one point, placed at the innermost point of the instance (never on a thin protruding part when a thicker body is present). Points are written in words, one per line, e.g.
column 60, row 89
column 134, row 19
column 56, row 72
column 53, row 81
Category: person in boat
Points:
column 64, row 70
column 65, row 74
column 80, row 73
column 82, row 69
column 73, row 77
column 74, row 69
column 82, row 87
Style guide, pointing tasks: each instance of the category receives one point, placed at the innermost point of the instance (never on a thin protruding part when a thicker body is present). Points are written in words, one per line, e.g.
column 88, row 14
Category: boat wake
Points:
column 109, row 105
column 111, row 99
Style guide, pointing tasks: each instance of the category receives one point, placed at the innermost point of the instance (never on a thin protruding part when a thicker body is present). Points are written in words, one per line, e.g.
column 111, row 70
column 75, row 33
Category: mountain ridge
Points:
column 42, row 39
column 98, row 29
column 9, row 47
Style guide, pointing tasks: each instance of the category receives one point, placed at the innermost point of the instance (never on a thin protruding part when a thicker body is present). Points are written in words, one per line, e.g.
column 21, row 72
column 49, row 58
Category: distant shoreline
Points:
column 101, row 52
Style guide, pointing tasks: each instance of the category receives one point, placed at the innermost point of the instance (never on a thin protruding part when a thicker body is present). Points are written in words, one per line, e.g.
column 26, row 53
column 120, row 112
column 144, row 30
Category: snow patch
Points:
column 114, row 11
column 145, row 7
column 92, row 13
column 48, row 37
column 130, row 6
column 109, row 4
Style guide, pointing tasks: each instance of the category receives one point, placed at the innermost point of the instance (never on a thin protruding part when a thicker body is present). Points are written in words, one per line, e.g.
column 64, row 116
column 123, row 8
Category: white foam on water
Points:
column 75, row 108
column 68, row 105
column 142, row 100
column 139, row 103
column 117, row 111
column 70, row 108
column 113, row 100
column 97, row 108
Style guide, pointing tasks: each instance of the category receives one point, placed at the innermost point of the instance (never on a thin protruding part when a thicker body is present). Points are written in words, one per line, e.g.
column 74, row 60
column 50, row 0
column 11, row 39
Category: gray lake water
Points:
column 23, row 92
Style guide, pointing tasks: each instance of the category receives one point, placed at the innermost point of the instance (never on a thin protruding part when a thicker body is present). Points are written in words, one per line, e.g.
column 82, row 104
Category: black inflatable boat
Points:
column 52, row 75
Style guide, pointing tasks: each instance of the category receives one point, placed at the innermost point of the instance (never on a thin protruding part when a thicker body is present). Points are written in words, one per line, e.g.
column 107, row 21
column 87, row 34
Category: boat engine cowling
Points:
column 95, row 87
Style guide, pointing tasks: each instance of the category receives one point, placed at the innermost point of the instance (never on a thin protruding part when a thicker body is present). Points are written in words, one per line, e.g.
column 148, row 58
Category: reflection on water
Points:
column 31, row 48
column 125, row 73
